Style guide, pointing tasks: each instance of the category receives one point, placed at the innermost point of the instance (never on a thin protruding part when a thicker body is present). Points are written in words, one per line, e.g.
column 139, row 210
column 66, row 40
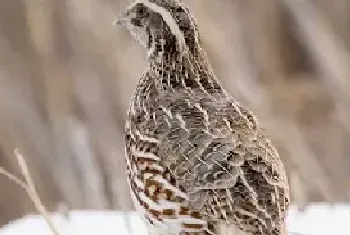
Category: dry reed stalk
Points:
column 29, row 186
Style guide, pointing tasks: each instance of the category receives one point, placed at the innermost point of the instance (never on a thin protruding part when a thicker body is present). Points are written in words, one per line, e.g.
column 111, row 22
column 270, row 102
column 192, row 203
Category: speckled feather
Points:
column 197, row 161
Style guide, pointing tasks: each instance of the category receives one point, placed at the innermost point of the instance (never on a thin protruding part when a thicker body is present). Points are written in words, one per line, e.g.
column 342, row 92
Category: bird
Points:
column 197, row 161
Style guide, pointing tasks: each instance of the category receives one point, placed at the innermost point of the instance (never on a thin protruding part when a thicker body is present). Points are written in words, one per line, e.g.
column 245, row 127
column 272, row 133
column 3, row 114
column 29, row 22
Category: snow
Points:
column 320, row 219
column 317, row 219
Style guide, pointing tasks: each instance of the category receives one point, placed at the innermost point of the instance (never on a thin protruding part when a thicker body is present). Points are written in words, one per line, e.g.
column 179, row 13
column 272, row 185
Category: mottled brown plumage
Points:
column 197, row 161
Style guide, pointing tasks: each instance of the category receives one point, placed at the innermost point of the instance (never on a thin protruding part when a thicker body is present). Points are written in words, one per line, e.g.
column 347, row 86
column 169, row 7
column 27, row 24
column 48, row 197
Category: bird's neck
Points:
column 179, row 67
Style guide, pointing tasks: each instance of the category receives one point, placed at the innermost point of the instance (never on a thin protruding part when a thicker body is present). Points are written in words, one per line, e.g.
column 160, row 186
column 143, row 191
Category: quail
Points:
column 197, row 161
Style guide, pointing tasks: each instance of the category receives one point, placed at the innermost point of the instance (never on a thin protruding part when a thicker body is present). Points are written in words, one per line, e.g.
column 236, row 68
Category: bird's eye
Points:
column 140, row 11
column 179, row 9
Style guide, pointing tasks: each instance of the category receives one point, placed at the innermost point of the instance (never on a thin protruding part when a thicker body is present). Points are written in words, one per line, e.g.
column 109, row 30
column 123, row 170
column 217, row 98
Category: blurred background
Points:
column 67, row 75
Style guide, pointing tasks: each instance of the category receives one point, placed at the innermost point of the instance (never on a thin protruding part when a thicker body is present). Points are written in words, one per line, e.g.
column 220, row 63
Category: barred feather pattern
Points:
column 198, row 162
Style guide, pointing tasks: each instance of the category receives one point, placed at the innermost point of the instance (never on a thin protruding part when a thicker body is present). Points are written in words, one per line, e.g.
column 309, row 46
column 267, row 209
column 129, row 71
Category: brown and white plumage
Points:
column 197, row 161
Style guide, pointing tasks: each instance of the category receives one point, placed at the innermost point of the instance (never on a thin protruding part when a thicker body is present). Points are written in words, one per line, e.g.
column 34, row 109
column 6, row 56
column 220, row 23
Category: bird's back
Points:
column 200, row 162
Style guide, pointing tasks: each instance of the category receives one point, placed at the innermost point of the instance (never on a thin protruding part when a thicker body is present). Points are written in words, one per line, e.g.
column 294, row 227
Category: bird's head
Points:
column 155, row 23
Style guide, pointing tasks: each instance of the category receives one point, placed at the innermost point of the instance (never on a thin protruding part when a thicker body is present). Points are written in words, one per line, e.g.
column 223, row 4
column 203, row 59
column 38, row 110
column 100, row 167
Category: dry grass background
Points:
column 66, row 77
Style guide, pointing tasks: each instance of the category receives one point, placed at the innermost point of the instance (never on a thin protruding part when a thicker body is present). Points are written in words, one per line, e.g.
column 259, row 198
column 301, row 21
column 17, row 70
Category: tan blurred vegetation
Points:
column 66, row 77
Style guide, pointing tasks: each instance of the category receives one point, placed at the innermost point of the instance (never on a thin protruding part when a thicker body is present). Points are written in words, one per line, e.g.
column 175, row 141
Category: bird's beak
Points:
column 120, row 20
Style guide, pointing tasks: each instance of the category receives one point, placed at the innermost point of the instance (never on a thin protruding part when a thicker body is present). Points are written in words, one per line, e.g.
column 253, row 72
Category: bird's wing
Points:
column 222, row 160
